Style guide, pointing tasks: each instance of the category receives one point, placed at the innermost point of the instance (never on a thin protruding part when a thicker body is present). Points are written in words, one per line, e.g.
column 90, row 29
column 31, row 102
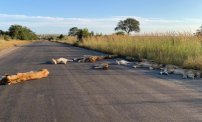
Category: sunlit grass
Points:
column 170, row 48
column 194, row 62
column 7, row 44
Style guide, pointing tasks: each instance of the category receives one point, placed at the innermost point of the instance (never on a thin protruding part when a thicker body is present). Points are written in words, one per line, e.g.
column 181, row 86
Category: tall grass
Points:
column 170, row 48
column 7, row 44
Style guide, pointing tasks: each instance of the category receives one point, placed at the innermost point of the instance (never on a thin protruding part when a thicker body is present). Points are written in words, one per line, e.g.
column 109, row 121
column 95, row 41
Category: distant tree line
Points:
column 127, row 26
column 18, row 32
column 51, row 37
column 123, row 27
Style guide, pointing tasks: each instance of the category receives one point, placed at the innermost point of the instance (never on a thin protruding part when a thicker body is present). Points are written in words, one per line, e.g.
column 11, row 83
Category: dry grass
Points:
column 70, row 39
column 170, row 48
column 194, row 63
column 7, row 44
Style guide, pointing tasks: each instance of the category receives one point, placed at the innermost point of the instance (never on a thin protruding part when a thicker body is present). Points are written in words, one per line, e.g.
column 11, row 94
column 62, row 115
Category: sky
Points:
column 101, row 16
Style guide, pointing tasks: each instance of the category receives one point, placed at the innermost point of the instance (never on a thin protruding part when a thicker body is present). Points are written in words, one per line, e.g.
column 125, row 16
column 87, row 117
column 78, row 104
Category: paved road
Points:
column 77, row 93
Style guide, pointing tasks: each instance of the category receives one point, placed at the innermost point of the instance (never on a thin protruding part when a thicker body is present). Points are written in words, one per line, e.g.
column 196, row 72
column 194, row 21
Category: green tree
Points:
column 61, row 37
column 128, row 25
column 199, row 31
column 82, row 33
column 51, row 38
column 6, row 37
column 2, row 32
column 85, row 32
column 21, row 33
column 92, row 33
column 73, row 31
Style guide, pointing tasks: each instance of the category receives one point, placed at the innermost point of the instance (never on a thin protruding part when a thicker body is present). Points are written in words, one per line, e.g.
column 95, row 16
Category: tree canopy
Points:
column 199, row 31
column 128, row 25
column 2, row 32
column 73, row 31
column 80, row 33
column 83, row 33
column 21, row 33
column 61, row 37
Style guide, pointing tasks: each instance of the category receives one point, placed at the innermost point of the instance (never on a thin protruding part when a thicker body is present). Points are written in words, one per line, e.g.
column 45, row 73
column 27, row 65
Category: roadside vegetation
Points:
column 179, row 49
column 182, row 49
column 18, row 32
column 15, row 36
column 7, row 44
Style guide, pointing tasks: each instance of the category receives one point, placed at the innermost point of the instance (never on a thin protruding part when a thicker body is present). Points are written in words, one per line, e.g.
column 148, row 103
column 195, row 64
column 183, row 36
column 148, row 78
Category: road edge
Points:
column 9, row 50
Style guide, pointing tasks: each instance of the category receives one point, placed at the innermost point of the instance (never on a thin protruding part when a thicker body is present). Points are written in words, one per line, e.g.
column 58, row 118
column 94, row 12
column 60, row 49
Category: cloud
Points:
column 42, row 24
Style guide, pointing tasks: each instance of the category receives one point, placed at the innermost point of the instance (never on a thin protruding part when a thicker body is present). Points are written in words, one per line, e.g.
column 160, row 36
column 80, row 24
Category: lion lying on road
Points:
column 185, row 73
column 149, row 65
column 60, row 61
column 91, row 59
column 19, row 77
column 103, row 66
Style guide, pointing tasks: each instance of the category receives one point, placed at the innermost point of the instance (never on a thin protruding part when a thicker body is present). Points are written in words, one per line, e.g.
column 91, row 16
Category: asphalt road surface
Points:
column 77, row 93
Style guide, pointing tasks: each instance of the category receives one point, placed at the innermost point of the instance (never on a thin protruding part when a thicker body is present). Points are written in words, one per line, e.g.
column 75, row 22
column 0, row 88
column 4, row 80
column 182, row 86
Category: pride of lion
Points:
column 164, row 69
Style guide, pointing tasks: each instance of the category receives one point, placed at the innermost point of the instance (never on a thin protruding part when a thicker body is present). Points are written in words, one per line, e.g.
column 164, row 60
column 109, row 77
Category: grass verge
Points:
column 179, row 49
column 12, row 43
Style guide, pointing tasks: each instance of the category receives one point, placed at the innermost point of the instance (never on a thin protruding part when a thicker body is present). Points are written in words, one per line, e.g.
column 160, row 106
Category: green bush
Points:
column 21, row 33
column 83, row 33
column 61, row 37
column 6, row 37
column 120, row 33
column 80, row 33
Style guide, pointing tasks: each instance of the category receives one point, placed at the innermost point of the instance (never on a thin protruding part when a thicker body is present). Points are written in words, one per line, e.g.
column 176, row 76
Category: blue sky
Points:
column 57, row 16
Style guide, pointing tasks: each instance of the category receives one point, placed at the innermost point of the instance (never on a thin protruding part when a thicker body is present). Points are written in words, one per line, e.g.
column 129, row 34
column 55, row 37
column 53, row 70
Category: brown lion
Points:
column 19, row 77
column 93, row 59
column 103, row 66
